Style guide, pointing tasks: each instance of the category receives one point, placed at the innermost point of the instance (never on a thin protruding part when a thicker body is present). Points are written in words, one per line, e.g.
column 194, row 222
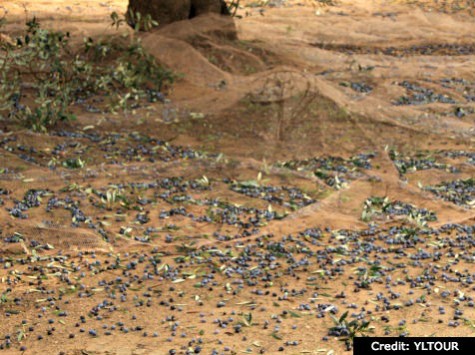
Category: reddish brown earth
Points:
column 207, row 210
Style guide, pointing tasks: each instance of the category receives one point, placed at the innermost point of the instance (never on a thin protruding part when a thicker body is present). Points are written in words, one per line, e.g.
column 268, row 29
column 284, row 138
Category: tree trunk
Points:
column 168, row 11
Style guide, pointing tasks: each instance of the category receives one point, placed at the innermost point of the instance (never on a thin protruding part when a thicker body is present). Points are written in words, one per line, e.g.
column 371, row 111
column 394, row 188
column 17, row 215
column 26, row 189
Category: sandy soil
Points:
column 244, row 212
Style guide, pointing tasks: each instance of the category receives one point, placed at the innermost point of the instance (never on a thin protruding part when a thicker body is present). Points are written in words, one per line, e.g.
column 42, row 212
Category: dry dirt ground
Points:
column 321, row 162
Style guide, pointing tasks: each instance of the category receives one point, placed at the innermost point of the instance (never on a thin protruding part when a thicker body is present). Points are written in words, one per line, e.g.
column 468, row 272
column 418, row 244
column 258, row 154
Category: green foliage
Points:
column 35, row 64
column 348, row 330
column 4, row 297
column 247, row 320
column 373, row 206
column 41, row 77
column 382, row 207
column 135, row 19
column 233, row 6
column 74, row 163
